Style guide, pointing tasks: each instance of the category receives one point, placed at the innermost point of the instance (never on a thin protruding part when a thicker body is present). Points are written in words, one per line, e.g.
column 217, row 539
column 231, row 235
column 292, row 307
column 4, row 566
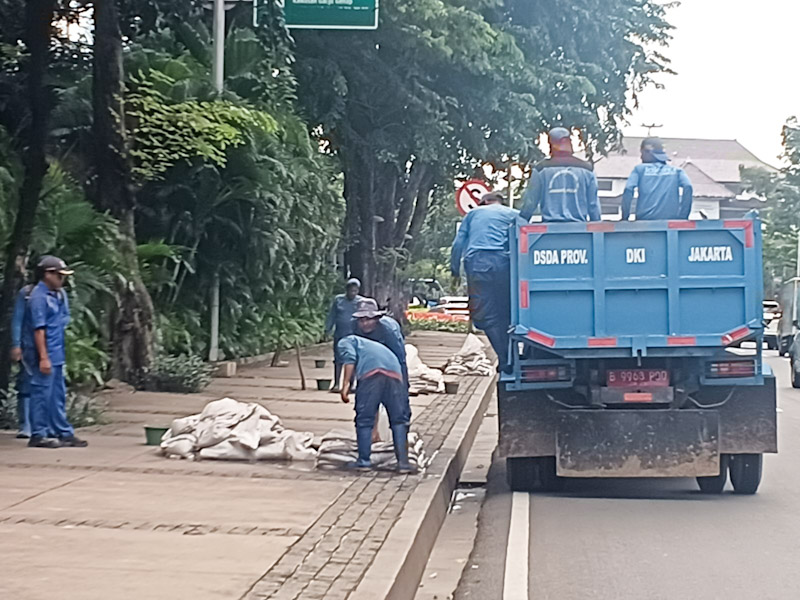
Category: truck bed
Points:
column 648, row 288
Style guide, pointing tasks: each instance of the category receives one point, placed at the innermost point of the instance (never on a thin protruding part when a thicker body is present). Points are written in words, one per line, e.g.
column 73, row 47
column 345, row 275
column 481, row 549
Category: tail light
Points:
column 732, row 368
column 547, row 373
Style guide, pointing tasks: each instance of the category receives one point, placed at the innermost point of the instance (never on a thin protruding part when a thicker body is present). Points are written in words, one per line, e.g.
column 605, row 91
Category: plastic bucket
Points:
column 319, row 363
column 153, row 435
column 450, row 387
column 323, row 384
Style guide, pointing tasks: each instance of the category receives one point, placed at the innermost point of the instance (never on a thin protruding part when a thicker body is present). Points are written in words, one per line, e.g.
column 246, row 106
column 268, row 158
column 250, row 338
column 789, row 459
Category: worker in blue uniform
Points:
column 380, row 381
column 665, row 192
column 563, row 186
column 340, row 323
column 375, row 325
column 482, row 241
column 43, row 353
column 23, row 386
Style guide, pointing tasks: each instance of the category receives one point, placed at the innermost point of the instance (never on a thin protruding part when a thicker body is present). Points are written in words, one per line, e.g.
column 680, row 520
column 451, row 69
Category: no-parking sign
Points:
column 469, row 195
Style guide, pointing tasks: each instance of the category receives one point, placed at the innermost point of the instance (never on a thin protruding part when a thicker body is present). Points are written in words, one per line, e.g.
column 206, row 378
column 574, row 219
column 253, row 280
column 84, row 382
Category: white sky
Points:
column 737, row 74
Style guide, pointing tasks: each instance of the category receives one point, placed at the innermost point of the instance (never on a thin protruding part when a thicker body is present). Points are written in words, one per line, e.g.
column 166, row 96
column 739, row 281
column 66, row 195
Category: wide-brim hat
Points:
column 368, row 309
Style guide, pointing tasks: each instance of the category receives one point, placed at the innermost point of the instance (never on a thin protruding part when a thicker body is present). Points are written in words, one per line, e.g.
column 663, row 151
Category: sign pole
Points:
column 218, row 68
column 218, row 73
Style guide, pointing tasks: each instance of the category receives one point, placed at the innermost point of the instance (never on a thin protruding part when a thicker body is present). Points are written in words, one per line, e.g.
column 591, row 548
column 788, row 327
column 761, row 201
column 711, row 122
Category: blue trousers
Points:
column 49, row 404
column 380, row 389
column 489, row 289
column 24, row 400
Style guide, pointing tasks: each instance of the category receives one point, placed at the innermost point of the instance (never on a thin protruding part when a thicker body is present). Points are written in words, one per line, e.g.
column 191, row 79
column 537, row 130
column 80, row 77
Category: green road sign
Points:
column 331, row 14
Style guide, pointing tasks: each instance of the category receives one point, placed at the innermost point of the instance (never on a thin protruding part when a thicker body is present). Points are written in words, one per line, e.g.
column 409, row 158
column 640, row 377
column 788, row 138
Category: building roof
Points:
column 718, row 159
column 703, row 185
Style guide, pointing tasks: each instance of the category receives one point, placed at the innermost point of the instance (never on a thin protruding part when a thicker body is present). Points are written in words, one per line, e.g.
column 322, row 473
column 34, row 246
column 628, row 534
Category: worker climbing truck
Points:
column 627, row 355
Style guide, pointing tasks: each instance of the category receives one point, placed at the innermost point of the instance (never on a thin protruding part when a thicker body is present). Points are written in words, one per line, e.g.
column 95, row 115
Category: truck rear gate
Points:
column 620, row 338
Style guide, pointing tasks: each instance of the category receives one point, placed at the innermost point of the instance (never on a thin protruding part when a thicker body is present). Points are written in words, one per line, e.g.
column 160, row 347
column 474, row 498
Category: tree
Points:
column 782, row 215
column 133, row 318
column 444, row 86
column 38, row 23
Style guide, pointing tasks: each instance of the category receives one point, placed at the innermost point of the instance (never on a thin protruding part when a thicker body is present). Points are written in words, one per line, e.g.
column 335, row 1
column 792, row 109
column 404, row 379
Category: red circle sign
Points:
column 469, row 194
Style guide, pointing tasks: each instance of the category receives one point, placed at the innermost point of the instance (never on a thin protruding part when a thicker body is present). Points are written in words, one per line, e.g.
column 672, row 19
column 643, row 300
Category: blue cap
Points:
column 559, row 133
column 656, row 147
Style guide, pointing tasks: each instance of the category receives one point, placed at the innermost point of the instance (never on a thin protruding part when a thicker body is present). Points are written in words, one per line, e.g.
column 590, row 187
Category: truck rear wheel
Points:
column 746, row 473
column 521, row 474
column 716, row 483
column 795, row 375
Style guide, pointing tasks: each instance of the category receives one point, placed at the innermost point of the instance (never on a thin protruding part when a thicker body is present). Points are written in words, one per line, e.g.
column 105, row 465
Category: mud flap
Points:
column 629, row 443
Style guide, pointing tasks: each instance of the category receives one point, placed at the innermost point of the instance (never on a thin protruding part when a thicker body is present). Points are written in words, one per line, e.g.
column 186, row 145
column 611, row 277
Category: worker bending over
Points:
column 380, row 381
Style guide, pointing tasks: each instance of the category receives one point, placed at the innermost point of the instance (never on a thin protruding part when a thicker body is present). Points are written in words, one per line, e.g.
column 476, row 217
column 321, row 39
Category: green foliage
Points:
column 166, row 132
column 782, row 215
column 84, row 411
column 178, row 374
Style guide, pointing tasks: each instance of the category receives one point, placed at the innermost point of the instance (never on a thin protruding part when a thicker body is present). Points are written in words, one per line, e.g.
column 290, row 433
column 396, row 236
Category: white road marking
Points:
column 515, row 581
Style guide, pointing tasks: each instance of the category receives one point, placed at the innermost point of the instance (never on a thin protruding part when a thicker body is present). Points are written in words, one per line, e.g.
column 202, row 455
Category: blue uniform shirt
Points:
column 388, row 333
column 340, row 316
column 660, row 195
column 49, row 310
column 565, row 188
column 484, row 228
column 369, row 357
column 18, row 316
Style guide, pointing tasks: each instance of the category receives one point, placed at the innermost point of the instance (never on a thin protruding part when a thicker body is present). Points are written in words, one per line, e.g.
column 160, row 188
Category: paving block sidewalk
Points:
column 117, row 520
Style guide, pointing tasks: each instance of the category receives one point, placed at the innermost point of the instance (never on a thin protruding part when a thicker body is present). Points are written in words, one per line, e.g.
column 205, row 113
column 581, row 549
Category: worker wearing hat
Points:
column 374, row 324
column 340, row 322
column 43, row 355
column 665, row 192
column 563, row 186
column 482, row 242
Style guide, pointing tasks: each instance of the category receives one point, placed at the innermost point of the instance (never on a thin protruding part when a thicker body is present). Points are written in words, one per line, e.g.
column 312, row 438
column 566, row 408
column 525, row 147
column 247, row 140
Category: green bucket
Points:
column 153, row 435
column 323, row 384
column 319, row 363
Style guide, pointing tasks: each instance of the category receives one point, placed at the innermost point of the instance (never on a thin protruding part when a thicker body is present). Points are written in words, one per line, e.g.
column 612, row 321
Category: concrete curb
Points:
column 398, row 567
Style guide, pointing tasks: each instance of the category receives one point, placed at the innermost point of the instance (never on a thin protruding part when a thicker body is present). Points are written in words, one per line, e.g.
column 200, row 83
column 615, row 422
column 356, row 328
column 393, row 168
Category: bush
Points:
column 84, row 411
column 180, row 374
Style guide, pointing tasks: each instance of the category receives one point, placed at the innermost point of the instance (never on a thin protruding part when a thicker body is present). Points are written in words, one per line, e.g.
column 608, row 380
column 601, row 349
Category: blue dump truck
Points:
column 627, row 354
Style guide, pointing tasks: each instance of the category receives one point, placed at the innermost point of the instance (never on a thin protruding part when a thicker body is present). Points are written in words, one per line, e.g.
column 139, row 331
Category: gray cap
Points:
column 53, row 263
column 367, row 309
column 353, row 281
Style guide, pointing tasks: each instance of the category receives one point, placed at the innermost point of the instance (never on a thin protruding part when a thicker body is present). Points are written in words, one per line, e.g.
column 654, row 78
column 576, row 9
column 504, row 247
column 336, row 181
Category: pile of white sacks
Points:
column 421, row 378
column 339, row 448
column 232, row 430
column 471, row 359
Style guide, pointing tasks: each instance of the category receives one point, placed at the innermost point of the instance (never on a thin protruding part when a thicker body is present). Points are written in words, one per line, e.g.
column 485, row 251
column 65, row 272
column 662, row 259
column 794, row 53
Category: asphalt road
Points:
column 646, row 539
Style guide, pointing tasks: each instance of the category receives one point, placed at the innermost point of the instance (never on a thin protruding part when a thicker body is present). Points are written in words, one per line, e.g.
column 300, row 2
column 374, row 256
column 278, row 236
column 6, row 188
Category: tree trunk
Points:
column 38, row 22
column 132, row 334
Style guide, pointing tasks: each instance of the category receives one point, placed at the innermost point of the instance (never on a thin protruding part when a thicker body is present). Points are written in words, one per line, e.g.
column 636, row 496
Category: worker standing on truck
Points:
column 665, row 192
column 482, row 241
column 563, row 185
column 340, row 323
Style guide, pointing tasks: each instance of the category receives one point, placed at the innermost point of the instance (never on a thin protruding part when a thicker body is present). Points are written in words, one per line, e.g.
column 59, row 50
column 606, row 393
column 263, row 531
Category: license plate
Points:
column 638, row 378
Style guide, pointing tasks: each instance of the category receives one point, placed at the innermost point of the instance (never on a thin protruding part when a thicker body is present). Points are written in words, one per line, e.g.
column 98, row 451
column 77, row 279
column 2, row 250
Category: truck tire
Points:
column 795, row 375
column 521, row 474
column 716, row 483
column 746, row 473
column 548, row 479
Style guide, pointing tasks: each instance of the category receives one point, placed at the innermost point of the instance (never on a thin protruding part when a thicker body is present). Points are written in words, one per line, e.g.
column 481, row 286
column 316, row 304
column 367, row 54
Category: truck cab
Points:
column 625, row 347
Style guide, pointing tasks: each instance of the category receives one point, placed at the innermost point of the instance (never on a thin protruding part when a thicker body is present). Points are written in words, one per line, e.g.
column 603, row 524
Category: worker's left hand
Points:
column 344, row 396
